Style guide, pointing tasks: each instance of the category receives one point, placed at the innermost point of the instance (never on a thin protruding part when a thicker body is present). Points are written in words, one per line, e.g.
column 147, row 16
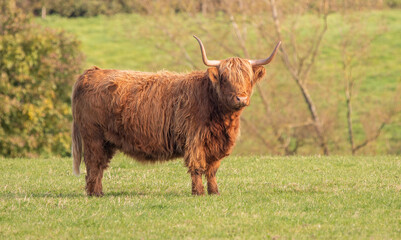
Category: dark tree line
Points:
column 84, row 8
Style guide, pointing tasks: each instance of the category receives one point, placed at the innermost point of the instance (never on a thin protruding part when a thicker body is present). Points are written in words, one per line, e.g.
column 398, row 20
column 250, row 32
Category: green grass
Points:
column 110, row 42
column 261, row 197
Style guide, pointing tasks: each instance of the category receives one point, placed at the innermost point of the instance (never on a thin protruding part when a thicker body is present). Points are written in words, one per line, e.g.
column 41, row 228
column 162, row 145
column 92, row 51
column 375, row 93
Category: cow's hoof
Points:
column 214, row 193
column 94, row 194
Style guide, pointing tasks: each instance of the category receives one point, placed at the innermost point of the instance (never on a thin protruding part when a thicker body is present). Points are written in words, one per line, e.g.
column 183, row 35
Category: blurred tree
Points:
column 355, row 46
column 301, row 65
column 37, row 70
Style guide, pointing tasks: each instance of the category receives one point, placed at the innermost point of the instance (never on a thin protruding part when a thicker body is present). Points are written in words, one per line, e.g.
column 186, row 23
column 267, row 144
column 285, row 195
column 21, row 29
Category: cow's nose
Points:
column 242, row 100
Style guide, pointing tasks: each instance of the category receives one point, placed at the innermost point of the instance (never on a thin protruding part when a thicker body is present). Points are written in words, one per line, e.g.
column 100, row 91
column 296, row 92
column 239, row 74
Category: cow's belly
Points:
column 151, row 156
column 144, row 147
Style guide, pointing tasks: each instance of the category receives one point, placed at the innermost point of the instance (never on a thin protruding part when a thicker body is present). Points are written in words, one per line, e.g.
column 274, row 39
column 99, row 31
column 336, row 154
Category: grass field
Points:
column 261, row 197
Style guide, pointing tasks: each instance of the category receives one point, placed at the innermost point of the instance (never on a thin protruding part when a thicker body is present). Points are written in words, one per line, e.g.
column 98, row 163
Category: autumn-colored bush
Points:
column 37, row 69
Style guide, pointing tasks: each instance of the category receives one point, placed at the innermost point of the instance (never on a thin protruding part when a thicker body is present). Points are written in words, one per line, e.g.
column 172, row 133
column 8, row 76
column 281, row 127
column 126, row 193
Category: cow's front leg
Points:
column 211, row 171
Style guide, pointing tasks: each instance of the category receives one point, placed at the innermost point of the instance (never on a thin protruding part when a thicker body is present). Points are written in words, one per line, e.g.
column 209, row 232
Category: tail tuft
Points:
column 76, row 149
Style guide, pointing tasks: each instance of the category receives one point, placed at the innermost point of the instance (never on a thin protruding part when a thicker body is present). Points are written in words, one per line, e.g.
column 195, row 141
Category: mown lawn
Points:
column 261, row 197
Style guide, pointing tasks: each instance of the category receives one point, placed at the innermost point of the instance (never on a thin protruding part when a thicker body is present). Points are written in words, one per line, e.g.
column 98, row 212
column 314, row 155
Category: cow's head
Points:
column 233, row 78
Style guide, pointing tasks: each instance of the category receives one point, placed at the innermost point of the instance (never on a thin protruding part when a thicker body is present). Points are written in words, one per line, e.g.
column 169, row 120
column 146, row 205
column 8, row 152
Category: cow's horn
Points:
column 267, row 60
column 210, row 63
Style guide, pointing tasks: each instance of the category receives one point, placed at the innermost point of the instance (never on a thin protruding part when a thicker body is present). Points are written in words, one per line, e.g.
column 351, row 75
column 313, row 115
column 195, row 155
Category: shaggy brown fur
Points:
column 160, row 116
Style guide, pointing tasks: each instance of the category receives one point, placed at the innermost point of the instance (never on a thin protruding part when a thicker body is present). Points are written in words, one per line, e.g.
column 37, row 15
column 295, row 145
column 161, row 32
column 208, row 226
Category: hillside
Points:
column 138, row 42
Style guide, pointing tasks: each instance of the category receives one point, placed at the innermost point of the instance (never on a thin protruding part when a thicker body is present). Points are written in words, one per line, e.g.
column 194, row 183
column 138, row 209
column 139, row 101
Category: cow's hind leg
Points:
column 197, row 186
column 97, row 156
column 211, row 177
column 196, row 164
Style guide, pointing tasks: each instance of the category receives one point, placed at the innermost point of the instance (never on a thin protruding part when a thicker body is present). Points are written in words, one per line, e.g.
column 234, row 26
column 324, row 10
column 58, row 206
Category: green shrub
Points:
column 37, row 69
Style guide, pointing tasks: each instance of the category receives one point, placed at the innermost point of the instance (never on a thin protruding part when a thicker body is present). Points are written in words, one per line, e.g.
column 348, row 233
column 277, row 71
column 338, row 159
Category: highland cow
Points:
column 162, row 116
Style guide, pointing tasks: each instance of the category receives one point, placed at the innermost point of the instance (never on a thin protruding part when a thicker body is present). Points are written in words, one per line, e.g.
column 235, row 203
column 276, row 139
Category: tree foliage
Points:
column 37, row 69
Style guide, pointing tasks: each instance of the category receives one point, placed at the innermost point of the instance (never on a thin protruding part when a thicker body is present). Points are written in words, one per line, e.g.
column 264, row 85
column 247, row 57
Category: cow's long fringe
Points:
column 76, row 149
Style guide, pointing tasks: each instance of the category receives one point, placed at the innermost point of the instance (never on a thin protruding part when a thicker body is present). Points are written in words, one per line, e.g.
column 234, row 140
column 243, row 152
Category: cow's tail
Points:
column 76, row 149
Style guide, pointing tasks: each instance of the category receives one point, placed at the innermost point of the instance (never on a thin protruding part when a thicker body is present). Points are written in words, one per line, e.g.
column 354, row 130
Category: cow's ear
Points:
column 258, row 73
column 213, row 74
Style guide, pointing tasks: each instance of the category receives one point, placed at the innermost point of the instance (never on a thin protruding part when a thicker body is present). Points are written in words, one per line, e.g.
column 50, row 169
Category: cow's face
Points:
column 233, row 81
column 234, row 78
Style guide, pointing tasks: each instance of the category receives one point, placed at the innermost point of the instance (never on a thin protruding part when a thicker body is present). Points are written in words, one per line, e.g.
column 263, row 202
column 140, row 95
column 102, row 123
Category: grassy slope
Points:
column 119, row 41
column 301, row 197
column 129, row 42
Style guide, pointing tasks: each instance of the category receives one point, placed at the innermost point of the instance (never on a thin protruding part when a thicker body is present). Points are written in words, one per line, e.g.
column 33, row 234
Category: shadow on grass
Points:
column 10, row 195
column 40, row 195
column 136, row 193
